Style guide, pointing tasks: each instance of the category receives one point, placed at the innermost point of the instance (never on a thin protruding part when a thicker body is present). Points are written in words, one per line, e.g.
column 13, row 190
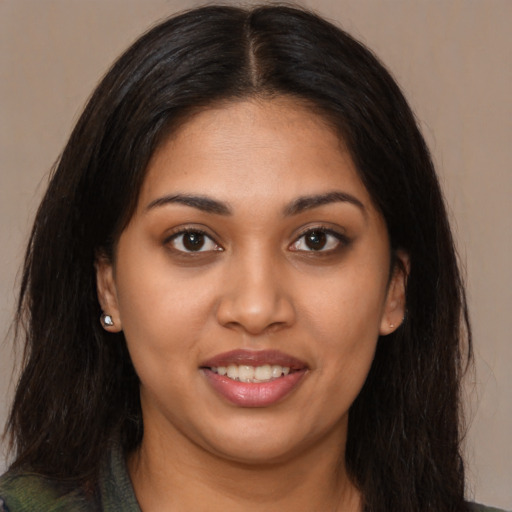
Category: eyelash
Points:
column 340, row 241
column 194, row 231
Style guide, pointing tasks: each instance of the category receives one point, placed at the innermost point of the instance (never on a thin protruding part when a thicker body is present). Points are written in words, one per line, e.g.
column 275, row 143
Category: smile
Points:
column 254, row 378
column 255, row 374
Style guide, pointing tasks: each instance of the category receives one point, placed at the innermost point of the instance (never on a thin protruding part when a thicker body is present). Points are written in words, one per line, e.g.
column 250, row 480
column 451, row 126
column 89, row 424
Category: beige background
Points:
column 453, row 59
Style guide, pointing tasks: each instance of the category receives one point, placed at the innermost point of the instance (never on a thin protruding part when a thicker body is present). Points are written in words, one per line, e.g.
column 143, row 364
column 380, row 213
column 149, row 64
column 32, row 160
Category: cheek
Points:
column 347, row 305
column 163, row 316
column 163, row 336
column 343, row 316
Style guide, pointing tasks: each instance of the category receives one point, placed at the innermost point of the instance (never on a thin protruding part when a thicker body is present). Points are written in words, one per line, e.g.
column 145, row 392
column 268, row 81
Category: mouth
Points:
column 254, row 374
column 254, row 378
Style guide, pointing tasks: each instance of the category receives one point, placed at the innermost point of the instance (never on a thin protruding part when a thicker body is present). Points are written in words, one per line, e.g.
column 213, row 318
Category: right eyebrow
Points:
column 203, row 203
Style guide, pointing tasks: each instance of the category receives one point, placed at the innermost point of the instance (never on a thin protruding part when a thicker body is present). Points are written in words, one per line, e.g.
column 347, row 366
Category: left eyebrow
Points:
column 304, row 203
column 203, row 203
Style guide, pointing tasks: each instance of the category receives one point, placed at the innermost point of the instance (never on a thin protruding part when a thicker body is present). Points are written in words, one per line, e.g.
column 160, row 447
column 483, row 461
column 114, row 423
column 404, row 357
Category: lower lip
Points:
column 254, row 394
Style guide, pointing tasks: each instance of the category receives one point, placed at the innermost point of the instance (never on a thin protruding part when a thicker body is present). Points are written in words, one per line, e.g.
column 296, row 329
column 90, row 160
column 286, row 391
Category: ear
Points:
column 394, row 307
column 107, row 293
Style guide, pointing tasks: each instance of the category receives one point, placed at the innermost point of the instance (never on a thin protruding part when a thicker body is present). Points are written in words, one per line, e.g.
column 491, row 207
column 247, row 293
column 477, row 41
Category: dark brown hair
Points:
column 78, row 389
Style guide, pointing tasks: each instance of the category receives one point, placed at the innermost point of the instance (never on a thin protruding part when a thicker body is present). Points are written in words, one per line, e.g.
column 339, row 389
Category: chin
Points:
column 260, row 443
column 258, row 455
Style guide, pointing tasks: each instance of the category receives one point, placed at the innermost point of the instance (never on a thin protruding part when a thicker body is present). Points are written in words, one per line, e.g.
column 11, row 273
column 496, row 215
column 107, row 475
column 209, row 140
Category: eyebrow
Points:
column 299, row 205
column 203, row 203
column 304, row 203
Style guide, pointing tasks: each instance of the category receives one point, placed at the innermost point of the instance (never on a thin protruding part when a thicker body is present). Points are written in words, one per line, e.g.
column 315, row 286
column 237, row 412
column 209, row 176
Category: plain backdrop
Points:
column 453, row 60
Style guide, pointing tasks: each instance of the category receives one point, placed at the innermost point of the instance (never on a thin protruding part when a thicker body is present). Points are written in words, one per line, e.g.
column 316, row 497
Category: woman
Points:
column 248, row 207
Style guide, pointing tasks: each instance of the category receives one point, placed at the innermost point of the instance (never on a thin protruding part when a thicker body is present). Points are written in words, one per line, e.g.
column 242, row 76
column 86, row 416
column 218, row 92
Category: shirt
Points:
column 31, row 492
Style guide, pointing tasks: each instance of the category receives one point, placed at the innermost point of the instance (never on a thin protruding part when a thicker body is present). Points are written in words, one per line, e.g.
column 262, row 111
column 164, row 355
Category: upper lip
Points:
column 254, row 358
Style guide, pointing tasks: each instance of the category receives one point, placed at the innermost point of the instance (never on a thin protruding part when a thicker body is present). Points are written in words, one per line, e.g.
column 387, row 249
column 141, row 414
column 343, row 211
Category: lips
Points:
column 253, row 378
column 255, row 358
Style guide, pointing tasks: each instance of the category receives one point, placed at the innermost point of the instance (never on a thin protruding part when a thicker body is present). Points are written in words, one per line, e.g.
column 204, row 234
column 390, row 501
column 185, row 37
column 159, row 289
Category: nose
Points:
column 254, row 298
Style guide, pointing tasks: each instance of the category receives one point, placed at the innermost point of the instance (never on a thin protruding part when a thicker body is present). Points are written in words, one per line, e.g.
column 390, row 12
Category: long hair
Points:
column 78, row 389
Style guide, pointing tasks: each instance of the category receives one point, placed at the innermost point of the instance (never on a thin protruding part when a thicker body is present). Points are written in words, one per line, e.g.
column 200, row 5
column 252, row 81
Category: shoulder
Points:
column 30, row 492
column 475, row 507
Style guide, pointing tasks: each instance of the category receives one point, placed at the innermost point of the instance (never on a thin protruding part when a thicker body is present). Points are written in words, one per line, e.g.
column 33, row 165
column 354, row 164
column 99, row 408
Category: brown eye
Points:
column 319, row 240
column 193, row 241
column 315, row 240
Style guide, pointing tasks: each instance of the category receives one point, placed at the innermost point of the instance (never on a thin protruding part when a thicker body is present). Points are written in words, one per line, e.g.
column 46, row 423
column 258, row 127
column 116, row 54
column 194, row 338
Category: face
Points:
column 252, row 284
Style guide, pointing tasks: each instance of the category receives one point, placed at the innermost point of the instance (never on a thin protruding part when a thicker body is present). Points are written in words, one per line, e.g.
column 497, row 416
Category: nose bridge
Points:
column 255, row 294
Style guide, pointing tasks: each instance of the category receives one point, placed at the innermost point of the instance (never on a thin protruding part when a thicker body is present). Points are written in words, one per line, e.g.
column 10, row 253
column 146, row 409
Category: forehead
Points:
column 253, row 150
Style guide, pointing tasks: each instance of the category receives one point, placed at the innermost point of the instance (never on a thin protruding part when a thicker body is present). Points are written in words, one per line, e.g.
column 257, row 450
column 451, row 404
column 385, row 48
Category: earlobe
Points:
column 107, row 294
column 394, row 309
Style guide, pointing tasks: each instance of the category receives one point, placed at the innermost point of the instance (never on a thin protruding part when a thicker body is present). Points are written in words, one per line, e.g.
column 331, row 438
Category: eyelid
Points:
column 342, row 238
column 183, row 230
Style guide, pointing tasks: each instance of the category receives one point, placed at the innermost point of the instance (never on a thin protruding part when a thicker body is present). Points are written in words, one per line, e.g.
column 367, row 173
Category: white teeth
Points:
column 232, row 372
column 276, row 371
column 263, row 372
column 246, row 373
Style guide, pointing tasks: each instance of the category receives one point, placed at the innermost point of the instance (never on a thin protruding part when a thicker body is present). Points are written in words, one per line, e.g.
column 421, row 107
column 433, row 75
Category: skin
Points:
column 254, row 285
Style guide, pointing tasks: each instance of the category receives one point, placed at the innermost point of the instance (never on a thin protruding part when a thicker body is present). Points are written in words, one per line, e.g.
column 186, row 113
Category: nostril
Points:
column 255, row 314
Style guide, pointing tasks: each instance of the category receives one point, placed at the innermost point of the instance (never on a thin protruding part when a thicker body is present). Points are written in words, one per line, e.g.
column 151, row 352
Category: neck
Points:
column 169, row 475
